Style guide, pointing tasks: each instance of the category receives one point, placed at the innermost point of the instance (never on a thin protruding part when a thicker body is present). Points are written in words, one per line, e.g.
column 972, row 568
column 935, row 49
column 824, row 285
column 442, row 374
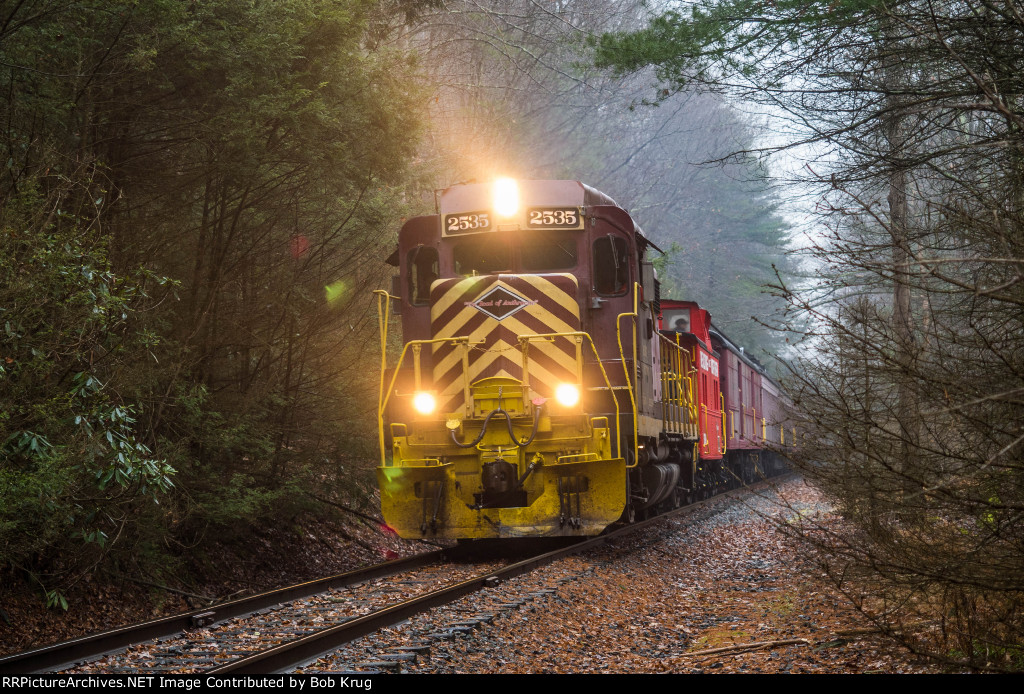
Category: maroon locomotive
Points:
column 535, row 393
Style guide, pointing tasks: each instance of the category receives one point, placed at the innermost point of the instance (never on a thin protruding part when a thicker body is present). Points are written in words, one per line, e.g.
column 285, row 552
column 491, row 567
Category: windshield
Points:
column 544, row 251
column 482, row 255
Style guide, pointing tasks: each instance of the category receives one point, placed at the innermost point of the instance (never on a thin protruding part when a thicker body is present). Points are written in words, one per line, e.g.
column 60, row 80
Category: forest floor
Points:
column 733, row 594
column 262, row 559
column 701, row 594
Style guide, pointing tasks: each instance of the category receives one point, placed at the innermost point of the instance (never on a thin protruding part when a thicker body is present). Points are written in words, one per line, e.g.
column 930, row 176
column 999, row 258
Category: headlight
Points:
column 567, row 395
column 506, row 197
column 424, row 402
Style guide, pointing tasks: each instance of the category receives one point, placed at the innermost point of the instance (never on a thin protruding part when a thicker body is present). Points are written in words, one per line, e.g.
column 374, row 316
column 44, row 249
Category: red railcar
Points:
column 754, row 411
column 742, row 413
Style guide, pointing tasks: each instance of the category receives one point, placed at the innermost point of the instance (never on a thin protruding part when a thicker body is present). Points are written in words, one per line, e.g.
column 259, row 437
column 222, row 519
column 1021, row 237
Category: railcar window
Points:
column 611, row 265
column 484, row 255
column 544, row 251
column 423, row 270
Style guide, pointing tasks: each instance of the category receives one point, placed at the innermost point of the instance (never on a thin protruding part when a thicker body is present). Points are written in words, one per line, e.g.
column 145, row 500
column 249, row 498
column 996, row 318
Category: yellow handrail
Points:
column 382, row 401
column 704, row 428
column 383, row 317
column 586, row 456
column 691, row 386
column 417, row 345
column 431, row 462
column 525, row 340
column 679, row 357
column 725, row 444
column 622, row 356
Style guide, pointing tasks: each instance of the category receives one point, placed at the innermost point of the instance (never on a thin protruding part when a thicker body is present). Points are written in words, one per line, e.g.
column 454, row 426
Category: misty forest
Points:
column 198, row 200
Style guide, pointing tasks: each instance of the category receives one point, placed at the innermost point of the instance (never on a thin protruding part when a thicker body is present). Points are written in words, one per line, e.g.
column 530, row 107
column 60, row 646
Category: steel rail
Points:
column 95, row 645
column 303, row 650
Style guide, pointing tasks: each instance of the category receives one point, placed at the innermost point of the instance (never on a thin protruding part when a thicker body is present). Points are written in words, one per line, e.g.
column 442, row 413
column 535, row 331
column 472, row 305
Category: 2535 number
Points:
column 470, row 221
column 554, row 218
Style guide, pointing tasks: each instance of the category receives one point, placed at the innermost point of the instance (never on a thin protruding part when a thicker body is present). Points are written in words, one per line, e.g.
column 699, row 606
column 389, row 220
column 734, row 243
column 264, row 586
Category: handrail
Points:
column 683, row 381
column 416, row 345
column 383, row 318
column 383, row 399
column 622, row 356
column 725, row 443
column 559, row 459
column 704, row 414
column 525, row 340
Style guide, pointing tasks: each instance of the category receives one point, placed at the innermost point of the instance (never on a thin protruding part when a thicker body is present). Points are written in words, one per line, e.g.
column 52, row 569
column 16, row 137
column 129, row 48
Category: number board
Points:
column 466, row 223
column 554, row 218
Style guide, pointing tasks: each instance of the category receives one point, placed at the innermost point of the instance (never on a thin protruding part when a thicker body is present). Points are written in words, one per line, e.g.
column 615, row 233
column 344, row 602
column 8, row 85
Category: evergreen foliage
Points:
column 76, row 469
column 196, row 201
column 908, row 387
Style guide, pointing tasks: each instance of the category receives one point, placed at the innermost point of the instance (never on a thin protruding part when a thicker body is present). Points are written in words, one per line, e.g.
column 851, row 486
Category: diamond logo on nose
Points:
column 500, row 303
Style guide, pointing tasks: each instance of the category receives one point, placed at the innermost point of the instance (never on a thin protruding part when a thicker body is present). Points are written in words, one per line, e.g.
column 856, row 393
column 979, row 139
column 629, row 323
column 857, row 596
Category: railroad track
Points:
column 81, row 649
column 292, row 627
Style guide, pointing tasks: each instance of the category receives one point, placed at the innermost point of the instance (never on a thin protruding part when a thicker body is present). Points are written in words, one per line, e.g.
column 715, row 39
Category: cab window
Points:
column 545, row 251
column 423, row 270
column 677, row 319
column 611, row 265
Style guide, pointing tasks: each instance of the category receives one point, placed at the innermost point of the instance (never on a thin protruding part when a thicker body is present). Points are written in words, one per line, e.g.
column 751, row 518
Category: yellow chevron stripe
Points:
column 552, row 291
column 562, row 352
column 538, row 372
column 537, row 376
column 557, row 352
column 539, row 313
column 543, row 285
column 455, row 324
column 546, row 318
column 453, row 393
column 562, row 356
column 549, row 320
column 454, row 293
column 540, row 375
column 479, row 359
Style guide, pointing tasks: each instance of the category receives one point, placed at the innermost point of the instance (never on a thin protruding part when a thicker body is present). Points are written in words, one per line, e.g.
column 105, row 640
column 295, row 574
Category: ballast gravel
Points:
column 679, row 597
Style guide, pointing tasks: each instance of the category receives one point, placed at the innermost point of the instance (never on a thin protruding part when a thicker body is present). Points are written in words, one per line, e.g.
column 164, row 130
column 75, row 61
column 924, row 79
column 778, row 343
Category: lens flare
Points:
column 424, row 403
column 567, row 395
column 335, row 291
column 506, row 197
